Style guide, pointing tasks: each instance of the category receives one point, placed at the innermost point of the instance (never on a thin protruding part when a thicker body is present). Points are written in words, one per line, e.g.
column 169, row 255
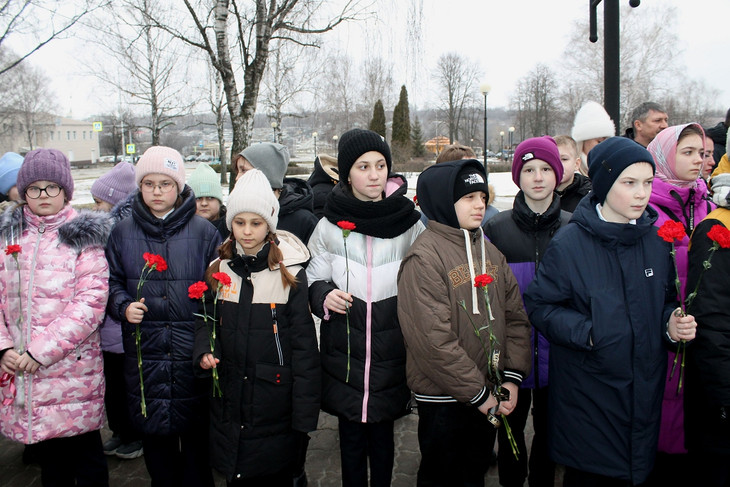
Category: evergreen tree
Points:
column 377, row 123
column 402, row 122
column 419, row 150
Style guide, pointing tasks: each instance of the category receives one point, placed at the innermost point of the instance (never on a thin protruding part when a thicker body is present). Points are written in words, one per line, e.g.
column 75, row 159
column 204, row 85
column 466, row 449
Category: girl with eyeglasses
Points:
column 163, row 222
column 54, row 284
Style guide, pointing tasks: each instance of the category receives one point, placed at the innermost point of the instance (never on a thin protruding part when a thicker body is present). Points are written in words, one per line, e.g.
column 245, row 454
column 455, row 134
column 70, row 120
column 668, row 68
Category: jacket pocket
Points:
column 272, row 395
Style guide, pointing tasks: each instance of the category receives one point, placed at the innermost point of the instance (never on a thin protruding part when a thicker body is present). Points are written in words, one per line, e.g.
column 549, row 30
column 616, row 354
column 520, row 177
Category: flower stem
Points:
column 511, row 438
column 139, row 367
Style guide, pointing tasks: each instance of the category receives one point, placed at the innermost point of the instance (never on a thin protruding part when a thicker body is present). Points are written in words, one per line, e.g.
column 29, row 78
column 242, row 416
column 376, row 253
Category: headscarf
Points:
column 664, row 150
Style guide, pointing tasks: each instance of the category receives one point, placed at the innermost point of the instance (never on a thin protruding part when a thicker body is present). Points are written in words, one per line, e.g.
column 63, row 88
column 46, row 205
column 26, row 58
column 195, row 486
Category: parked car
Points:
column 191, row 158
column 204, row 158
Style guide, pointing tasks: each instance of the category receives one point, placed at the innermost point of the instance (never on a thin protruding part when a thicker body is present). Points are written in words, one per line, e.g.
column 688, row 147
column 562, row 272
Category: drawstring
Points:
column 470, row 261
column 276, row 333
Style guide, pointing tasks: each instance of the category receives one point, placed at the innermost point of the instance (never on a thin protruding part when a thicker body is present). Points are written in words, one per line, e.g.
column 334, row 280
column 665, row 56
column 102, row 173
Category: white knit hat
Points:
column 161, row 160
column 592, row 122
column 253, row 193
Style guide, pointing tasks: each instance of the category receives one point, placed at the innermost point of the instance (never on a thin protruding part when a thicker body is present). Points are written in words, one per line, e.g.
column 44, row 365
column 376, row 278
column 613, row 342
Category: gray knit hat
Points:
column 252, row 193
column 269, row 158
column 46, row 165
column 115, row 185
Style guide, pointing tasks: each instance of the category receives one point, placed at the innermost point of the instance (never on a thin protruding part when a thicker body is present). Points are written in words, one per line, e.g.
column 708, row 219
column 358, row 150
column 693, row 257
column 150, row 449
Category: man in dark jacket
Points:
column 718, row 134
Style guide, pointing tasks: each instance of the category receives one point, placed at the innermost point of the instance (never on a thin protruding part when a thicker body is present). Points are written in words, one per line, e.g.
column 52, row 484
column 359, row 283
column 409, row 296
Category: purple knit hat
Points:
column 46, row 165
column 543, row 148
column 115, row 185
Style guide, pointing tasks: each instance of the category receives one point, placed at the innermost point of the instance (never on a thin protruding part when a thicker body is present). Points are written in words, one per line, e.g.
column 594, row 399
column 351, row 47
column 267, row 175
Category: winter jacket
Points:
column 574, row 192
column 446, row 360
column 295, row 209
column 175, row 399
column 270, row 384
column 707, row 398
column 111, row 329
column 220, row 223
column 322, row 181
column 63, row 291
column 522, row 236
column 718, row 134
column 376, row 390
column 602, row 297
column 687, row 206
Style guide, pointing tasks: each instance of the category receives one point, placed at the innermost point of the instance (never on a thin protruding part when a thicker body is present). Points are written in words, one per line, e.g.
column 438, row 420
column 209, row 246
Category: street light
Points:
column 334, row 143
column 511, row 131
column 273, row 126
column 314, row 135
column 484, row 89
column 501, row 144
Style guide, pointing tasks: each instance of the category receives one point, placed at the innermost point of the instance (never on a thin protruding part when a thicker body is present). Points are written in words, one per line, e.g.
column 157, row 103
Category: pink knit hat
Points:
column 161, row 160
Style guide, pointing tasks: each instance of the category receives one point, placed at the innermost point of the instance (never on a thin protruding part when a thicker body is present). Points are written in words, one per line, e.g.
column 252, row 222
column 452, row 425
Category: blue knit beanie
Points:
column 10, row 164
column 607, row 160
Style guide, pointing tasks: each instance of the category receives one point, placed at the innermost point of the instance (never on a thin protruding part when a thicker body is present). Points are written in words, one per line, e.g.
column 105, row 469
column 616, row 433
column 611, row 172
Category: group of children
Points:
column 470, row 317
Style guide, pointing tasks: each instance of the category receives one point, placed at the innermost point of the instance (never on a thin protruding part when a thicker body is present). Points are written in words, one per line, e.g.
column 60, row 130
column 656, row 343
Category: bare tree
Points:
column 376, row 82
column 456, row 77
column 218, row 107
column 536, row 102
column 694, row 101
column 113, row 137
column 340, row 87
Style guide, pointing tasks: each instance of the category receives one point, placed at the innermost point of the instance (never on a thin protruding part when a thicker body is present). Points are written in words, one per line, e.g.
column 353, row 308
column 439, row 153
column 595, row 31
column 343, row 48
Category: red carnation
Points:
column 12, row 249
column 223, row 278
column 721, row 235
column 154, row 261
column 671, row 231
column 346, row 225
column 196, row 291
column 483, row 280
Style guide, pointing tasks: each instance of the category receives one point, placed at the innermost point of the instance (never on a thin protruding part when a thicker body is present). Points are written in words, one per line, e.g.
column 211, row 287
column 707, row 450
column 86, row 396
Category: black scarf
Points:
column 386, row 218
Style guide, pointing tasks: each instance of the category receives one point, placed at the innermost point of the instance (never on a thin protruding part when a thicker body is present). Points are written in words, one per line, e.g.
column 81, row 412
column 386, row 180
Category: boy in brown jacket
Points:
column 439, row 308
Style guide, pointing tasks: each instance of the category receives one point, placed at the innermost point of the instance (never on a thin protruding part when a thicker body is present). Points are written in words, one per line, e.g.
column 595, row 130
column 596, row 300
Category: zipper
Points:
column 29, row 377
column 276, row 334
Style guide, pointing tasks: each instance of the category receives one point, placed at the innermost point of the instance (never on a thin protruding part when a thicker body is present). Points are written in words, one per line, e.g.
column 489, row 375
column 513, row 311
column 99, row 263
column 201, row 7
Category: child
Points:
column 322, row 180
column 522, row 235
column 603, row 297
column 591, row 126
column 363, row 358
column 205, row 183
column 296, row 214
column 53, row 292
column 111, row 193
column 10, row 164
column 439, row 306
column 163, row 222
column 574, row 185
column 262, row 420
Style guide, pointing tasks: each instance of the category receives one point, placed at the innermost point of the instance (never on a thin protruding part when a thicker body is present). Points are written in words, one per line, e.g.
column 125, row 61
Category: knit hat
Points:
column 544, row 148
column 253, row 193
column 592, row 121
column 159, row 159
column 269, row 158
column 468, row 180
column 607, row 160
column 357, row 142
column 115, row 185
column 46, row 165
column 205, row 182
column 9, row 166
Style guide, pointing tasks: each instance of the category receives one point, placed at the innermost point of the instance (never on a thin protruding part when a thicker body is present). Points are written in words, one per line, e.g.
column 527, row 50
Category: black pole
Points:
column 484, row 149
column 612, row 71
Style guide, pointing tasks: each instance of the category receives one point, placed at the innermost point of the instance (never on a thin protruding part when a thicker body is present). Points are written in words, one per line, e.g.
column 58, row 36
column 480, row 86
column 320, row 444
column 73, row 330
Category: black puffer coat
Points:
column 175, row 399
column 574, row 192
column 296, row 211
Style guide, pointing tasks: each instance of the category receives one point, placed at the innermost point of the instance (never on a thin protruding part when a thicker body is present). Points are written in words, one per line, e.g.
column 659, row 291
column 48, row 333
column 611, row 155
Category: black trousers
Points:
column 456, row 441
column 360, row 442
column 73, row 461
column 180, row 460
column 513, row 472
column 578, row 478
column 115, row 398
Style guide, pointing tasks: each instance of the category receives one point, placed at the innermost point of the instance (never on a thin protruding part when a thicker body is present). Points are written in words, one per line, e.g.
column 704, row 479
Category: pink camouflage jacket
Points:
column 63, row 278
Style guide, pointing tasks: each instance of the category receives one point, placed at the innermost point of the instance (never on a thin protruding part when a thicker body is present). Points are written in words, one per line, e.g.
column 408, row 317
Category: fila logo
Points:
column 649, row 272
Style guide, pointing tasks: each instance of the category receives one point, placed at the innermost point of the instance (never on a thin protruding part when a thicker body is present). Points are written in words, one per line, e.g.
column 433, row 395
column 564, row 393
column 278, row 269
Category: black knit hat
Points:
column 470, row 179
column 355, row 143
column 607, row 161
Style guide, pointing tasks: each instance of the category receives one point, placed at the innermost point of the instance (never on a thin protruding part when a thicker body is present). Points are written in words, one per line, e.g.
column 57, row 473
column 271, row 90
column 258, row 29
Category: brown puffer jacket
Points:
column 445, row 359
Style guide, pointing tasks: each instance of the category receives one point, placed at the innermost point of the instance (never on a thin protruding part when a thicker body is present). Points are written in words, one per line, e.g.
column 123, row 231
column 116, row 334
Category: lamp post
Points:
column 314, row 136
column 334, row 143
column 511, row 131
column 273, row 127
column 484, row 89
column 501, row 144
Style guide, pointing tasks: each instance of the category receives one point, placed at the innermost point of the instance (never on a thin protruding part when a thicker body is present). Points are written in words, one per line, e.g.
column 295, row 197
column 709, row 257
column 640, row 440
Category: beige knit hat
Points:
column 161, row 160
column 253, row 193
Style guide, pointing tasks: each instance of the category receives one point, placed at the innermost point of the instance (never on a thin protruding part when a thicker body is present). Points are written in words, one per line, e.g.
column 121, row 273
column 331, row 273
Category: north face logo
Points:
column 473, row 179
column 528, row 156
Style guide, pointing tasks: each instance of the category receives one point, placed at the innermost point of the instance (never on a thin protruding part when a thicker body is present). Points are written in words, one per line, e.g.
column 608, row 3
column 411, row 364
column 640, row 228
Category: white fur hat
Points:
column 591, row 122
column 253, row 193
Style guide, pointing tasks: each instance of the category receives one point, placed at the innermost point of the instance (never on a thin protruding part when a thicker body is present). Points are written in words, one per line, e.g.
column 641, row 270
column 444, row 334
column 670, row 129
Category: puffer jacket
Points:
column 574, row 192
column 175, row 398
column 296, row 213
column 602, row 297
column 63, row 292
column 522, row 236
column 270, row 384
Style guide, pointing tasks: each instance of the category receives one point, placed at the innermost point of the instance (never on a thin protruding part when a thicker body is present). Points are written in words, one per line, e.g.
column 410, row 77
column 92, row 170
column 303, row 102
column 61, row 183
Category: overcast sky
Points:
column 506, row 38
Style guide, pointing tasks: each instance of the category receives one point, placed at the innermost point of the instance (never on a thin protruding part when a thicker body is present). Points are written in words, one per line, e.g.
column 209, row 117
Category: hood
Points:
column 325, row 171
column 123, row 209
column 612, row 234
column 295, row 194
column 174, row 222
column 435, row 188
column 675, row 197
column 293, row 249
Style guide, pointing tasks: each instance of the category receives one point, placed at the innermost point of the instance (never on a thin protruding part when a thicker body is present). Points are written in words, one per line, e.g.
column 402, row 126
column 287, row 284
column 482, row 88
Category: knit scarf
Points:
column 387, row 218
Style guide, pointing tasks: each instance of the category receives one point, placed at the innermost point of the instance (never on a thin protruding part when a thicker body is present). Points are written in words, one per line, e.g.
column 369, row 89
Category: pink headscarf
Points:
column 664, row 150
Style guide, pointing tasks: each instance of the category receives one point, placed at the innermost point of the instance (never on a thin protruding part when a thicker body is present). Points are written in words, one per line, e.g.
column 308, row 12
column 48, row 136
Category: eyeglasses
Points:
column 149, row 186
column 34, row 192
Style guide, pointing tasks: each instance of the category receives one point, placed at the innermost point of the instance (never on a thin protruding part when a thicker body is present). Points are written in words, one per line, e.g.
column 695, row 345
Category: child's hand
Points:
column 135, row 312
column 25, row 363
column 8, row 362
column 507, row 407
column 681, row 327
column 209, row 361
column 338, row 301
column 489, row 404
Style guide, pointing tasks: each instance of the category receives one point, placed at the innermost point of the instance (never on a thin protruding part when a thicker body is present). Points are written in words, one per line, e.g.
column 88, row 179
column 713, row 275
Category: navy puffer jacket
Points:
column 188, row 243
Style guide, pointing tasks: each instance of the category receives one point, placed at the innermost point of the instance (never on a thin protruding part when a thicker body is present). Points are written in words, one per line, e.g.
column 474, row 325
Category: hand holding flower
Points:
column 208, row 361
column 681, row 327
column 487, row 406
column 338, row 301
column 507, row 407
column 135, row 312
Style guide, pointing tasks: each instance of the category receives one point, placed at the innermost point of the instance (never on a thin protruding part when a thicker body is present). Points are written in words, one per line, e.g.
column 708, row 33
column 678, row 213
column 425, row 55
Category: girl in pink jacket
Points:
column 53, row 291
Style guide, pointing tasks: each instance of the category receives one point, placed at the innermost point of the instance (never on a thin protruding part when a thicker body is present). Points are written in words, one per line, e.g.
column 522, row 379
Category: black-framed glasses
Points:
column 34, row 192
column 149, row 186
